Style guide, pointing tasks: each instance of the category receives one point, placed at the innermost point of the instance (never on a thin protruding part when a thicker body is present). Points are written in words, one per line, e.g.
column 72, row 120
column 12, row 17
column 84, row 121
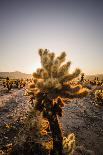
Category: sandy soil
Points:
column 13, row 110
column 86, row 121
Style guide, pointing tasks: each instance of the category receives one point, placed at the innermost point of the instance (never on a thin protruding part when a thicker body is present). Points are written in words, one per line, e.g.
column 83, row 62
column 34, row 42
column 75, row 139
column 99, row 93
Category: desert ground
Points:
column 81, row 117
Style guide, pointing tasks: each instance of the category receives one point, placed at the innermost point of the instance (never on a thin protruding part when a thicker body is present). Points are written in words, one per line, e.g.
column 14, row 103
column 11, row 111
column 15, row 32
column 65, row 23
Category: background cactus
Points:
column 82, row 77
column 13, row 83
column 50, row 86
column 8, row 84
column 99, row 97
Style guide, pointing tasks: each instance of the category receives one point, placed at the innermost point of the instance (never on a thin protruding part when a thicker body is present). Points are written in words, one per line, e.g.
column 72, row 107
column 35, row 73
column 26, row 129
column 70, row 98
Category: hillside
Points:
column 18, row 75
column 91, row 77
column 15, row 75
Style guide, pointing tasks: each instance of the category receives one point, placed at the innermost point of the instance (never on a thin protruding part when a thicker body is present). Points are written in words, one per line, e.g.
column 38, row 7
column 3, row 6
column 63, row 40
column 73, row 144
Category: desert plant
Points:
column 99, row 97
column 7, row 83
column 50, row 86
column 82, row 77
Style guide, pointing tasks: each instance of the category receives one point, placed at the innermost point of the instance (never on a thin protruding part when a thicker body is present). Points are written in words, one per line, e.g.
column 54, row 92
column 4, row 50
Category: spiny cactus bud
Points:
column 51, row 55
column 45, row 75
column 57, row 62
column 45, row 60
column 32, row 85
column 35, row 75
column 68, row 63
column 47, row 67
column 41, row 51
column 48, row 83
column 69, row 77
column 54, row 68
column 77, row 72
column 60, row 101
column 39, row 71
column 69, row 144
column 71, row 137
column 63, row 54
column 56, row 84
column 35, row 80
column 45, row 52
column 40, row 84
column 64, row 69
column 44, row 124
column 62, row 57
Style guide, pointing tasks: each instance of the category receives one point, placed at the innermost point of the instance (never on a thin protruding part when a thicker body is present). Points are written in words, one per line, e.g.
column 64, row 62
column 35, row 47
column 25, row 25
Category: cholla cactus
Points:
column 8, row 84
column 99, row 97
column 69, row 144
column 51, row 85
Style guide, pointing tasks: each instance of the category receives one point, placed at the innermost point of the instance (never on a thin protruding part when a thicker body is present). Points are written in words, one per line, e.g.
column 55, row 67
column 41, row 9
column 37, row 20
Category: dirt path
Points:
column 13, row 110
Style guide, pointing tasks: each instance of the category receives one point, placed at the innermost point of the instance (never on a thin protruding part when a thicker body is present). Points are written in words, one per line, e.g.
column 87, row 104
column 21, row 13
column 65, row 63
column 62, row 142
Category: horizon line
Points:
column 34, row 71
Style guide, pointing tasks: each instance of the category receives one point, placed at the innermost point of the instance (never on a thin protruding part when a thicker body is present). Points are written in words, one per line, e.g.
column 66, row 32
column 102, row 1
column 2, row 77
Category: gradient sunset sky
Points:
column 73, row 26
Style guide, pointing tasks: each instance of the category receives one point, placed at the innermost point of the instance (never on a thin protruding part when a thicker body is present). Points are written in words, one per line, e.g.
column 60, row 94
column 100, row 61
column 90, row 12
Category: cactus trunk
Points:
column 56, row 135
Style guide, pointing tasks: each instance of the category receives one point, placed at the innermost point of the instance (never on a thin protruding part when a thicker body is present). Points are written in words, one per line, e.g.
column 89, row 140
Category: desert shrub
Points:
column 99, row 97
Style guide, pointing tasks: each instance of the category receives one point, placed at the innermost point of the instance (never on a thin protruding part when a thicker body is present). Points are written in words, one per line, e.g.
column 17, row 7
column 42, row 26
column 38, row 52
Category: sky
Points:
column 73, row 26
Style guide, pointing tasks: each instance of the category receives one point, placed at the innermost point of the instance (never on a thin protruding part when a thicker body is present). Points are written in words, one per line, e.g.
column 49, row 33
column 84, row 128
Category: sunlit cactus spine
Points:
column 51, row 86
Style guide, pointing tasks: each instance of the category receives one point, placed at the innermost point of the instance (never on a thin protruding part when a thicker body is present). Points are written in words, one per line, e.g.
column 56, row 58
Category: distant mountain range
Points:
column 15, row 75
column 19, row 75
column 91, row 77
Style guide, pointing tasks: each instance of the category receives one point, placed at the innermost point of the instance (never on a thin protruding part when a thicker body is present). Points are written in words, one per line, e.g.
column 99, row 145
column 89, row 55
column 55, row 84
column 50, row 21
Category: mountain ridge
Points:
column 15, row 75
column 18, row 75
